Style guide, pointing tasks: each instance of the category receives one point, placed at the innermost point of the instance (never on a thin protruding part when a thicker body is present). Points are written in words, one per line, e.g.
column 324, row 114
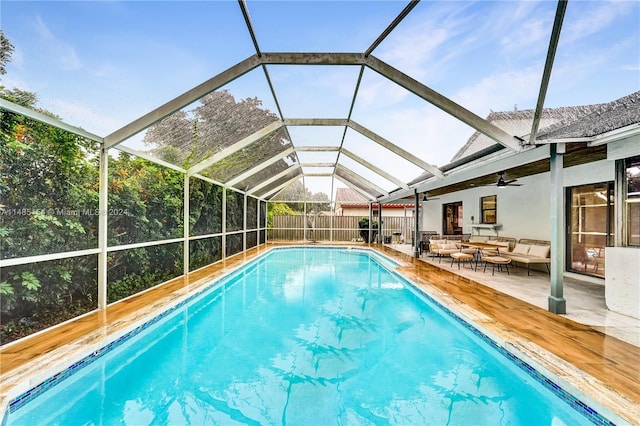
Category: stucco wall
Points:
column 523, row 211
column 622, row 277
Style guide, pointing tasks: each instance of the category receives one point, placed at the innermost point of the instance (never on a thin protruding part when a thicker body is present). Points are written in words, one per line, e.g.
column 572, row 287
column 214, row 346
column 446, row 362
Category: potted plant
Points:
column 364, row 229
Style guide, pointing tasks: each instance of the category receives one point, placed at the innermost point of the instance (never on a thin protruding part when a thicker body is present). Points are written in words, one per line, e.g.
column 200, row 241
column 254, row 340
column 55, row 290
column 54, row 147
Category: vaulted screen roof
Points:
column 373, row 96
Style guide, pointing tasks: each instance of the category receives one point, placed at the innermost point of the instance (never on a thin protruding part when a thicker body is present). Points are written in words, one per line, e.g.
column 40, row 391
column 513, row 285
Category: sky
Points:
column 101, row 64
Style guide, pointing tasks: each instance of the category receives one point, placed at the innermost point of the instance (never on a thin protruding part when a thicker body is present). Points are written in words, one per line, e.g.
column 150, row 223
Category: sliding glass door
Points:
column 590, row 227
column 452, row 218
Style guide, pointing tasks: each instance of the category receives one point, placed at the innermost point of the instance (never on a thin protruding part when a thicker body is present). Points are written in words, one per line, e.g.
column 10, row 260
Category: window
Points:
column 488, row 209
column 632, row 200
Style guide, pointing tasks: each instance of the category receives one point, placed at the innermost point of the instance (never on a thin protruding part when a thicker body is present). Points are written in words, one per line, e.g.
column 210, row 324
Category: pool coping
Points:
column 19, row 384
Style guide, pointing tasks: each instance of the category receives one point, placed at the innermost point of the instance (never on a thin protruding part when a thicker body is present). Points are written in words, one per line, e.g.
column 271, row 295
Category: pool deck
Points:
column 582, row 351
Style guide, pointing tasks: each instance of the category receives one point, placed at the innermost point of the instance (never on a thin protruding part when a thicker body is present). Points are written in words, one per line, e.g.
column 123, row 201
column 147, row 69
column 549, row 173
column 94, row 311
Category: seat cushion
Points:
column 459, row 255
column 496, row 259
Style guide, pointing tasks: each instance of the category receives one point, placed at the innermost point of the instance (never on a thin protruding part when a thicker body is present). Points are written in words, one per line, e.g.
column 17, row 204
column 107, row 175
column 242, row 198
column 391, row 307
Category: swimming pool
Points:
column 303, row 336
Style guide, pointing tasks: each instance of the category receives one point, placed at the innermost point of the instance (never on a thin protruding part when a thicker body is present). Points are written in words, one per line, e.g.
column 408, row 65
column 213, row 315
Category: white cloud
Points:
column 105, row 70
column 532, row 34
column 380, row 93
column 416, row 48
column 64, row 53
column 593, row 18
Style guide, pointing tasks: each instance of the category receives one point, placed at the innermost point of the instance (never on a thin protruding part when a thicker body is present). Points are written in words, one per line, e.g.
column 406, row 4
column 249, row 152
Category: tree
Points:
column 217, row 122
column 278, row 209
column 48, row 201
column 6, row 50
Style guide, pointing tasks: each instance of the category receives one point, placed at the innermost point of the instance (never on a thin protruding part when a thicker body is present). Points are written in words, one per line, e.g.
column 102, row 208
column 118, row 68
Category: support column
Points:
column 102, row 226
column 557, row 303
column 369, row 240
column 223, row 246
column 185, row 231
column 416, row 215
column 244, row 223
column 379, row 223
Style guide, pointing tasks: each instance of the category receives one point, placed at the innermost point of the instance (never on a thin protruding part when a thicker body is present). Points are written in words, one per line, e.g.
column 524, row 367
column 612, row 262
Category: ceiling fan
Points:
column 425, row 198
column 503, row 184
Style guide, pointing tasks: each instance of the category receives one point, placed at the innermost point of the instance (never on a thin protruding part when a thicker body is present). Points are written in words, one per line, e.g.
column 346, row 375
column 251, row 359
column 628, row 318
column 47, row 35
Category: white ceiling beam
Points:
column 359, row 190
column 378, row 170
column 305, row 58
column 316, row 122
column 396, row 149
column 317, row 164
column 263, row 165
column 149, row 157
column 445, row 104
column 548, row 65
column 47, row 119
column 280, row 187
column 207, row 179
column 235, row 147
column 182, row 101
column 361, row 179
column 273, row 179
column 318, row 149
column 369, row 134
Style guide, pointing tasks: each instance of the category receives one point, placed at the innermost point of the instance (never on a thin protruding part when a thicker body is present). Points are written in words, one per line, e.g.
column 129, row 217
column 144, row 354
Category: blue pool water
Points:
column 301, row 336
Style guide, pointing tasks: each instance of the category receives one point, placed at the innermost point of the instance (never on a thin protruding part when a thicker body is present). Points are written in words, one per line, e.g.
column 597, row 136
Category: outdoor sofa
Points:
column 528, row 252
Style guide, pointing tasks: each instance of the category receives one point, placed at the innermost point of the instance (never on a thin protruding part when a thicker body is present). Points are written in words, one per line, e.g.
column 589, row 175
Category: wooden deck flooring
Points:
column 612, row 366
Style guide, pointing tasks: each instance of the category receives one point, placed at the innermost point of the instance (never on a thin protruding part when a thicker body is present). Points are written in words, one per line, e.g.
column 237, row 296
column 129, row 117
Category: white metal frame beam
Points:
column 395, row 149
column 273, row 179
column 370, row 135
column 182, row 101
column 361, row 179
column 356, row 188
column 338, row 122
column 280, row 187
column 546, row 74
column 445, row 104
column 318, row 175
column 149, row 157
column 377, row 170
column 317, row 164
column 265, row 131
column 47, row 119
column 263, row 165
column 318, row 148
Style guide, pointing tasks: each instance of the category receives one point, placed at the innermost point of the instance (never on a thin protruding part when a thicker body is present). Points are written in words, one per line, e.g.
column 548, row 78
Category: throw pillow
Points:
column 521, row 249
column 539, row 251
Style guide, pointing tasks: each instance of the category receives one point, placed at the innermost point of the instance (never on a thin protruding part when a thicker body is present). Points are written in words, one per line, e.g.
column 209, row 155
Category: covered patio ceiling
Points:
column 353, row 140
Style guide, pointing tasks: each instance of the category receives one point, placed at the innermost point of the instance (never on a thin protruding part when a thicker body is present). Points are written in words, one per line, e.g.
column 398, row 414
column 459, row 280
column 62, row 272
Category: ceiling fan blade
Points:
column 510, row 181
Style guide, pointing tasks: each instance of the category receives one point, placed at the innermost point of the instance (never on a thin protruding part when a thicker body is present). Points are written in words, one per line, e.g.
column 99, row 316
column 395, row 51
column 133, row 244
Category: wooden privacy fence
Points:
column 335, row 228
